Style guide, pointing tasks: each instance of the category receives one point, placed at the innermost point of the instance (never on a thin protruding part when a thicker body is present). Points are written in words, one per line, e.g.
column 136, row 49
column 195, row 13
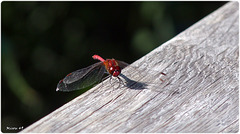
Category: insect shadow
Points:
column 133, row 84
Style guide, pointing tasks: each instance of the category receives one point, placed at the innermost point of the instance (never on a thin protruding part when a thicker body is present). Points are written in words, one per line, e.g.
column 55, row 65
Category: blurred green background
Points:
column 44, row 41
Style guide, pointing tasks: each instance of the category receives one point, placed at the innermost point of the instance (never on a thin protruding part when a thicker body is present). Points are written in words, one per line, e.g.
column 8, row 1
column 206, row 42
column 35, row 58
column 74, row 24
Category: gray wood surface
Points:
column 199, row 93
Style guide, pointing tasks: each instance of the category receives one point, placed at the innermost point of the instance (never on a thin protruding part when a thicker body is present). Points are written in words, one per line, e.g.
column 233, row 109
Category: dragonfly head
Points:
column 115, row 70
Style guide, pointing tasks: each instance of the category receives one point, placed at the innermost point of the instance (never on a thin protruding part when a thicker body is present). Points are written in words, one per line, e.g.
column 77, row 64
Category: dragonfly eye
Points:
column 117, row 71
column 111, row 69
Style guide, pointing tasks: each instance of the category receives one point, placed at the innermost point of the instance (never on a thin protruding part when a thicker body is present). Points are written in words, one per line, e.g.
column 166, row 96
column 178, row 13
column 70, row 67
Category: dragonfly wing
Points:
column 122, row 64
column 82, row 78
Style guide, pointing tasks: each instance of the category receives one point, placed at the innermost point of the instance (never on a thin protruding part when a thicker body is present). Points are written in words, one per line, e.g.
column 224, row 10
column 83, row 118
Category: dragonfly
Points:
column 92, row 74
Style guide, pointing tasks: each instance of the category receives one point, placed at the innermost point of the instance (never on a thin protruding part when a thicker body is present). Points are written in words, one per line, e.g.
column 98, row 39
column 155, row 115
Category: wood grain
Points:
column 198, row 94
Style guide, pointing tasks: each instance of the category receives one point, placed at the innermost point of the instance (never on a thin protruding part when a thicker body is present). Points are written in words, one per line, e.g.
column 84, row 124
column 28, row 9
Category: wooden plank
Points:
column 198, row 94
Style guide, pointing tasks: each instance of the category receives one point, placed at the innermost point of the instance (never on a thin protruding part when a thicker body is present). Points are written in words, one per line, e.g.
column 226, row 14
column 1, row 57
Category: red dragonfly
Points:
column 90, row 75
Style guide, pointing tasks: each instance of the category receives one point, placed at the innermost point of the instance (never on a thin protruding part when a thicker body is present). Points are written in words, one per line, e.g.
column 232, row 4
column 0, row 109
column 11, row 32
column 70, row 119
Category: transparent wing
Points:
column 122, row 64
column 82, row 78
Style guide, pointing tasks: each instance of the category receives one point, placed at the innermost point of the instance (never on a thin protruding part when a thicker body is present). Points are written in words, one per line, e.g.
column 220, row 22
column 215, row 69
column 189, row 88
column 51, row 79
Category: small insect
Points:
column 90, row 75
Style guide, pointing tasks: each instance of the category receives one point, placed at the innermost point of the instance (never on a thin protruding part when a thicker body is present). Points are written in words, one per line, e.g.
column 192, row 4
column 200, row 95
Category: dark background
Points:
column 44, row 41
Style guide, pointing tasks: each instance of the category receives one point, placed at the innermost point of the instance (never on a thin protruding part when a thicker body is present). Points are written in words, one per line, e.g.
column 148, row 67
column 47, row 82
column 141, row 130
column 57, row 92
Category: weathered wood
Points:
column 199, row 92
